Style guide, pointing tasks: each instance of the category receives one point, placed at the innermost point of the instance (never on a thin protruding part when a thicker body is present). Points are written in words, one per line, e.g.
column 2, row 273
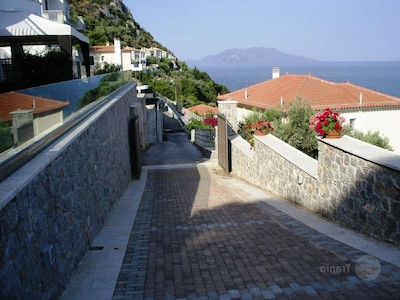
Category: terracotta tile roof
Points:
column 13, row 101
column 320, row 93
column 128, row 49
column 102, row 49
column 202, row 109
column 108, row 49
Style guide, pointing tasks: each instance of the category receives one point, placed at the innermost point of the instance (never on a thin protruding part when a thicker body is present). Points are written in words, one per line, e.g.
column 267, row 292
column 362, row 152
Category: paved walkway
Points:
column 186, row 230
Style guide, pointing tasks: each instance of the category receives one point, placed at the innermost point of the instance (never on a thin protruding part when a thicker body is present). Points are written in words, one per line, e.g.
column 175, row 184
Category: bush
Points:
column 374, row 138
column 197, row 124
column 107, row 85
column 6, row 138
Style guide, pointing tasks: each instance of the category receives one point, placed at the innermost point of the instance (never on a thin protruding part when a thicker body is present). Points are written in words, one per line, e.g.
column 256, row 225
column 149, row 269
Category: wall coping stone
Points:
column 366, row 151
column 242, row 144
column 20, row 178
column 295, row 156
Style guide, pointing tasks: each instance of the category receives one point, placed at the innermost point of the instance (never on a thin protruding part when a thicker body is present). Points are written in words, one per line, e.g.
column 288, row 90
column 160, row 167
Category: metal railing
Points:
column 205, row 138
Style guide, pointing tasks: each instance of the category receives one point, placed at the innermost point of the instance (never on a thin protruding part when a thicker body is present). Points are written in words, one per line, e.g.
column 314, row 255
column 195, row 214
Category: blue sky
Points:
column 327, row 30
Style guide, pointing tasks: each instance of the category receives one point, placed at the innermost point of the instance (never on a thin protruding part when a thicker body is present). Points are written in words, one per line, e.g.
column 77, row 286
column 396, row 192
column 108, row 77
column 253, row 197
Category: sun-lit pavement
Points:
column 186, row 230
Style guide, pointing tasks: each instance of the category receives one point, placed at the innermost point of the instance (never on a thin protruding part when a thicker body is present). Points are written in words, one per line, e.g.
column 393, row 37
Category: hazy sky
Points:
column 328, row 30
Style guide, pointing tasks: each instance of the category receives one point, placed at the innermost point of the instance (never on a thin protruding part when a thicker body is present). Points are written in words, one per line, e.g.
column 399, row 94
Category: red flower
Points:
column 326, row 121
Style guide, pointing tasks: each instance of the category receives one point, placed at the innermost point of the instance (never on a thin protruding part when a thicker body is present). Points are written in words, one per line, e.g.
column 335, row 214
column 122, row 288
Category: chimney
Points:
column 275, row 72
column 245, row 94
column 117, row 53
column 361, row 98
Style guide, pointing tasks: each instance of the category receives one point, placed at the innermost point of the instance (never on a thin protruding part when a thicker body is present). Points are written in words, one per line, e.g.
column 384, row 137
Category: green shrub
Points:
column 6, row 138
column 374, row 138
column 107, row 85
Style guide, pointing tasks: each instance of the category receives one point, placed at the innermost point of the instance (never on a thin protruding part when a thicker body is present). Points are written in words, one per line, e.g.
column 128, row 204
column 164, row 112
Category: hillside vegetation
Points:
column 106, row 20
column 109, row 19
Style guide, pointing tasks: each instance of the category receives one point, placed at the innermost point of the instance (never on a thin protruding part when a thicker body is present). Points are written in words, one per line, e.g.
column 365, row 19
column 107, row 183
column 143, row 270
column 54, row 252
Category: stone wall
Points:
column 362, row 185
column 352, row 183
column 229, row 109
column 52, row 208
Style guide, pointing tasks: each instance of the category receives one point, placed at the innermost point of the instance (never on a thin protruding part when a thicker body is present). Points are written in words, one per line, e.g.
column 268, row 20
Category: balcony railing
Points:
column 71, row 91
column 55, row 15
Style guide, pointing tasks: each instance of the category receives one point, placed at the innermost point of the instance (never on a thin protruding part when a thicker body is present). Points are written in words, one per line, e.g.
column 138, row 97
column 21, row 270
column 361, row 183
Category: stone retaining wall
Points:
column 53, row 207
column 352, row 183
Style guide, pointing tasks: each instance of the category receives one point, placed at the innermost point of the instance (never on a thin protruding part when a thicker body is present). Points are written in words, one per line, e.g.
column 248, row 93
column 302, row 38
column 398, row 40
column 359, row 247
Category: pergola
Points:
column 20, row 28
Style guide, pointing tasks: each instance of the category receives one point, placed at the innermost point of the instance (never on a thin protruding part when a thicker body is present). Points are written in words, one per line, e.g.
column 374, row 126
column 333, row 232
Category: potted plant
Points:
column 261, row 127
column 248, row 130
column 327, row 123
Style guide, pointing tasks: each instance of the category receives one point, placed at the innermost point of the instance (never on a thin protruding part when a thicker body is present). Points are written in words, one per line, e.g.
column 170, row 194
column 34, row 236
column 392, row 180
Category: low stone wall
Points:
column 52, row 208
column 352, row 183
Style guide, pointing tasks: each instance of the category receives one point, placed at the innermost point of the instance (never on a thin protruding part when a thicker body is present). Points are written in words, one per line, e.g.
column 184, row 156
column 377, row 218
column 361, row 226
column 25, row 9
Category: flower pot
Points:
column 260, row 132
column 333, row 134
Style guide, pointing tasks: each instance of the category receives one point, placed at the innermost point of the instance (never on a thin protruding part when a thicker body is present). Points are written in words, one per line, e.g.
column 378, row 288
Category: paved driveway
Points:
column 199, row 235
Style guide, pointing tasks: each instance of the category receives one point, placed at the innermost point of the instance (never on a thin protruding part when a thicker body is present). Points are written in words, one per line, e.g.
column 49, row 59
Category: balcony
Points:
column 59, row 17
column 55, row 16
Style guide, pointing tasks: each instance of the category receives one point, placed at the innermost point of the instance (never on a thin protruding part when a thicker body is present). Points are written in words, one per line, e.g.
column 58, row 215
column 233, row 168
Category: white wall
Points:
column 22, row 5
column 382, row 121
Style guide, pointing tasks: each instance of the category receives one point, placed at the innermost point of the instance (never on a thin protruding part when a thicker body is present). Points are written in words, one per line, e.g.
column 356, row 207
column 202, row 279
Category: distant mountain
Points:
column 255, row 55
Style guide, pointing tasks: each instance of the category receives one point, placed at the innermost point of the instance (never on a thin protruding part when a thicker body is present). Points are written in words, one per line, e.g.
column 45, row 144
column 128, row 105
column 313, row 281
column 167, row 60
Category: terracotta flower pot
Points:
column 260, row 132
column 333, row 134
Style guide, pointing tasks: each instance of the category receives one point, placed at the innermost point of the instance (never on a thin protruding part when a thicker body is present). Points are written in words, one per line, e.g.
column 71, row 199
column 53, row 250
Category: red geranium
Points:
column 211, row 121
column 322, row 122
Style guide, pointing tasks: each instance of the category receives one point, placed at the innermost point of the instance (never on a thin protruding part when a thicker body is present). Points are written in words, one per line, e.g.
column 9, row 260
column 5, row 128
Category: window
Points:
column 352, row 123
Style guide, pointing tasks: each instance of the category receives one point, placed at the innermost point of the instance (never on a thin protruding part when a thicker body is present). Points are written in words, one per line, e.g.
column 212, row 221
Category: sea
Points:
column 382, row 77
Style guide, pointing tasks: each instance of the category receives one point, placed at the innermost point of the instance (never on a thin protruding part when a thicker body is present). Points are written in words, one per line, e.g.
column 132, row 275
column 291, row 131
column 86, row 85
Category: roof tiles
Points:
column 13, row 101
column 203, row 109
column 320, row 93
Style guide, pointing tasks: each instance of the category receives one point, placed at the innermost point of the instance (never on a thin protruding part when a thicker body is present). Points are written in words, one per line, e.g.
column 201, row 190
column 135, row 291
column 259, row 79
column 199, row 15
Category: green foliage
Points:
column 197, row 124
column 189, row 87
column 108, row 84
column 6, row 138
column 109, row 19
column 295, row 130
column 291, row 124
column 106, row 68
column 33, row 69
column 374, row 138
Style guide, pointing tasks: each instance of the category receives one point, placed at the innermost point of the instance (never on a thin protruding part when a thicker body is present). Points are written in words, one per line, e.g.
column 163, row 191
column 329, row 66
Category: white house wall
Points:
column 382, row 121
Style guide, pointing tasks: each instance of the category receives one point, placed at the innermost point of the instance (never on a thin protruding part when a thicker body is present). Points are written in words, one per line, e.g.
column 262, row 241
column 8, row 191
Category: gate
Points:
column 223, row 144
column 134, row 145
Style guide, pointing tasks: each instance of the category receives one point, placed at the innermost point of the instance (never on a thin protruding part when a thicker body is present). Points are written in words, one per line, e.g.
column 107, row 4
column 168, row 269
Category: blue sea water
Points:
column 382, row 77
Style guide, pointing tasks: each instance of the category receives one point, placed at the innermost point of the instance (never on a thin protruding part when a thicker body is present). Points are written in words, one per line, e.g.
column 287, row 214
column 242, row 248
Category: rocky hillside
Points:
column 109, row 19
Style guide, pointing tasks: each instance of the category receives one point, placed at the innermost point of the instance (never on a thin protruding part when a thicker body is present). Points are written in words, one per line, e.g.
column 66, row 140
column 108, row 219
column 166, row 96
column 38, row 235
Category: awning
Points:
column 21, row 27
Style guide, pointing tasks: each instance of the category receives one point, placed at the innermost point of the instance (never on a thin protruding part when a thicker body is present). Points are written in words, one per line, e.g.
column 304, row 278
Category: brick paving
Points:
column 194, row 237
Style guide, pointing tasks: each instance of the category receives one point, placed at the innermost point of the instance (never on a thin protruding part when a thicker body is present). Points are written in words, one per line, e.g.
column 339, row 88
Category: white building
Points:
column 364, row 109
column 127, row 58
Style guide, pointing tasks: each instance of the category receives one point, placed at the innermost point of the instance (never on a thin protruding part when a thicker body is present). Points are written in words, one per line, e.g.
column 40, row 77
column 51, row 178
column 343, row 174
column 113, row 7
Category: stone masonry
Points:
column 352, row 182
column 53, row 207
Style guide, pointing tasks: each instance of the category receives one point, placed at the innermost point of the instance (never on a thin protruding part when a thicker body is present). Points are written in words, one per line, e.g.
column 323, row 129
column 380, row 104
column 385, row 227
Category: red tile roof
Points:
column 320, row 93
column 103, row 49
column 14, row 101
column 202, row 109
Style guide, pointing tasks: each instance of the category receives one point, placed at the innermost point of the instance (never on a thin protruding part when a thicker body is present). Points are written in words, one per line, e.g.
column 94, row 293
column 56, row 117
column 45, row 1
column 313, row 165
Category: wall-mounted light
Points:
column 299, row 179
